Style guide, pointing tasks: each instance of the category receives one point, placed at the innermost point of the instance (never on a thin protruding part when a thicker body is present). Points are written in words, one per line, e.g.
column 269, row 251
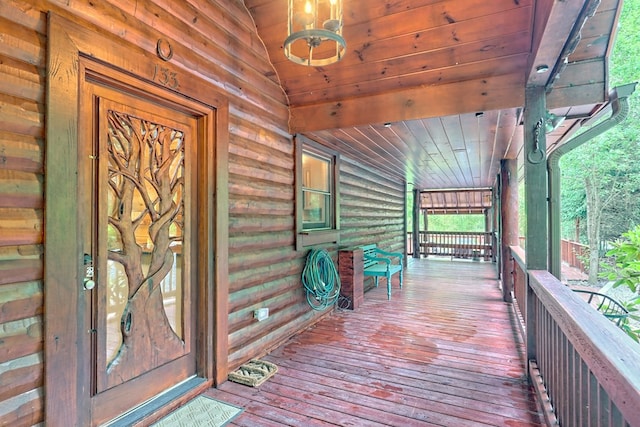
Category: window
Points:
column 317, row 194
column 316, row 191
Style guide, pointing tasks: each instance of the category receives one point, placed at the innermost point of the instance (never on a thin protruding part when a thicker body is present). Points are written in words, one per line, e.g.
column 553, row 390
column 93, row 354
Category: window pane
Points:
column 315, row 172
column 317, row 194
column 317, row 210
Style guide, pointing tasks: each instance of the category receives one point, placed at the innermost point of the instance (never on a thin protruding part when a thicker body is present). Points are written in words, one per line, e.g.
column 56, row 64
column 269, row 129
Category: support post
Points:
column 425, row 220
column 487, row 220
column 497, row 233
column 416, row 223
column 351, row 271
column 509, row 215
column 425, row 228
column 535, row 180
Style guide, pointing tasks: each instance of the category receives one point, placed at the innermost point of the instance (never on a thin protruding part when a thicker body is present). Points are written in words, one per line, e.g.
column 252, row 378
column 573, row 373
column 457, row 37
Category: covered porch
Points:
column 432, row 95
column 445, row 350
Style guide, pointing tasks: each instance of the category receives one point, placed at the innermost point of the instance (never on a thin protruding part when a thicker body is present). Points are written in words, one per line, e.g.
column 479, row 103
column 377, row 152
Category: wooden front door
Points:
column 139, row 198
column 136, row 230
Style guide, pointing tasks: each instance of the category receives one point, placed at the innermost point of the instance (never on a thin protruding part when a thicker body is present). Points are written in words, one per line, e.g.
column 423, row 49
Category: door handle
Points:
column 88, row 283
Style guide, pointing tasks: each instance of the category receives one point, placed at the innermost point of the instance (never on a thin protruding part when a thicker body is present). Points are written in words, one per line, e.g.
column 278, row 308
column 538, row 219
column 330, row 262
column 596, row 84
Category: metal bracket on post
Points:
column 532, row 156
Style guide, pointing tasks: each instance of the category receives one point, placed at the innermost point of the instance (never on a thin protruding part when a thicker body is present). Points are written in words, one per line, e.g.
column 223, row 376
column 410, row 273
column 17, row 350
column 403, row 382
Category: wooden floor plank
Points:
column 420, row 381
column 257, row 413
column 443, row 351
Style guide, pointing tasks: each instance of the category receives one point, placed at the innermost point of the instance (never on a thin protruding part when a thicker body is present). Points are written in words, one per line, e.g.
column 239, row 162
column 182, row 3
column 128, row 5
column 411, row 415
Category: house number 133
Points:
column 165, row 77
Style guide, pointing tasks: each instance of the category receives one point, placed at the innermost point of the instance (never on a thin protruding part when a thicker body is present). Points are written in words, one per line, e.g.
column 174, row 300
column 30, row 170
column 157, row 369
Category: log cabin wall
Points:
column 261, row 238
column 371, row 208
column 22, row 97
column 264, row 267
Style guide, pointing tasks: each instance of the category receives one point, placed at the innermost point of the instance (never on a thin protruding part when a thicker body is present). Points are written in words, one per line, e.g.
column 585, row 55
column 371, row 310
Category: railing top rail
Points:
column 461, row 233
column 519, row 255
column 606, row 350
column 571, row 242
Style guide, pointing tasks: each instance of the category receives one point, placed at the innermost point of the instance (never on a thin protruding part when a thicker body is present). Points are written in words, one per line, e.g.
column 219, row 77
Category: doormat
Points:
column 201, row 412
column 253, row 373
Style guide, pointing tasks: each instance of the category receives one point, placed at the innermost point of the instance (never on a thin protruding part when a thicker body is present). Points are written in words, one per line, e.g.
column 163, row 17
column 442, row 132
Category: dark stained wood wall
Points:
column 215, row 40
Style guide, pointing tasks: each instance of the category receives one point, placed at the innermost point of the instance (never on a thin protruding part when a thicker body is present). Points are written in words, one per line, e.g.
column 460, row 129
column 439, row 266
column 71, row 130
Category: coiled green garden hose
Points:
column 321, row 280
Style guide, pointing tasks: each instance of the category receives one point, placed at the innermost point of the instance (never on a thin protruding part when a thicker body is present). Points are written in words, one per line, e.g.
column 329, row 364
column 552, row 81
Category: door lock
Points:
column 88, row 281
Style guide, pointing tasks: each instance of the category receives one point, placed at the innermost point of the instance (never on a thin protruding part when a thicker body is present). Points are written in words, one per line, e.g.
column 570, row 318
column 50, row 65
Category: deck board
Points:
column 443, row 351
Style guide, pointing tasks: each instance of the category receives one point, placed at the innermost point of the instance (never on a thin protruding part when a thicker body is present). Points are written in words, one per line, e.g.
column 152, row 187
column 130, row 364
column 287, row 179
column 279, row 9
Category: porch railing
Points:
column 519, row 277
column 573, row 253
column 584, row 368
column 455, row 244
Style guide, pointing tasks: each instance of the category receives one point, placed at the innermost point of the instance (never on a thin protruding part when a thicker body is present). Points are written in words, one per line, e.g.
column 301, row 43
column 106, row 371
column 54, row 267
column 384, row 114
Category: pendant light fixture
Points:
column 314, row 35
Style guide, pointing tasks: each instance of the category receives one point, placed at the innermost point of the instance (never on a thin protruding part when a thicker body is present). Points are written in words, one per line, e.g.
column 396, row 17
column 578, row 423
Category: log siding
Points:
column 216, row 41
column 372, row 207
column 22, row 83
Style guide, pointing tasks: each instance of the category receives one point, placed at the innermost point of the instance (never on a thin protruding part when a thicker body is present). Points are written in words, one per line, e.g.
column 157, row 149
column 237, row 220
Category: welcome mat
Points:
column 253, row 373
column 201, row 412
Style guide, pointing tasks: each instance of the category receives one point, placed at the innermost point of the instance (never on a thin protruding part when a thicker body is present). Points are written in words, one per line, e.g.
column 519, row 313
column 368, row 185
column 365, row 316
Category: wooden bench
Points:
column 379, row 263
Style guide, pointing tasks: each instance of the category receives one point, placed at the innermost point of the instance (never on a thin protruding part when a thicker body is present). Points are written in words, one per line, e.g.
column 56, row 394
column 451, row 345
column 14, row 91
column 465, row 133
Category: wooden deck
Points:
column 442, row 352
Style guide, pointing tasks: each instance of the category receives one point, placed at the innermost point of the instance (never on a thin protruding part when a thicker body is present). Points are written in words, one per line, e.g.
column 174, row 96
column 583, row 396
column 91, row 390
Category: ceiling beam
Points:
column 550, row 31
column 490, row 93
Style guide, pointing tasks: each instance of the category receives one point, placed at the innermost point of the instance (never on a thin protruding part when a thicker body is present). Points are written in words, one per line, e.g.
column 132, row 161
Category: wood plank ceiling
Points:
column 447, row 77
column 458, row 201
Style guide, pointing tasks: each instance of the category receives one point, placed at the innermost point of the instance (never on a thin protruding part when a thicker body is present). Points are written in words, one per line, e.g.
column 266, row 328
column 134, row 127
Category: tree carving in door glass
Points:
column 145, row 209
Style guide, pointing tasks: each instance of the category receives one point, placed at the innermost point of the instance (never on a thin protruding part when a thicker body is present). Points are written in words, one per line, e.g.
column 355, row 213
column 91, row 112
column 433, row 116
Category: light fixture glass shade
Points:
column 314, row 36
column 552, row 122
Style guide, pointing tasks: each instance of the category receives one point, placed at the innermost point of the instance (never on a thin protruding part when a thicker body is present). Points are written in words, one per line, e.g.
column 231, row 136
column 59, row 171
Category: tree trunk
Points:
column 594, row 214
column 148, row 340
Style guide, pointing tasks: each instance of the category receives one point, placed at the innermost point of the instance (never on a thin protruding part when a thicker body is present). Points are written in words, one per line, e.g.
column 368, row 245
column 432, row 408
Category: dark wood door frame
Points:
column 65, row 306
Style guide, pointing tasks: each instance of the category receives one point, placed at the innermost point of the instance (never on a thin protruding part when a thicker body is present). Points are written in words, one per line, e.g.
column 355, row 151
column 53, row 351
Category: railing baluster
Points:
column 572, row 385
column 564, row 378
column 583, row 393
column 593, row 400
column 553, row 367
column 617, row 419
column 457, row 244
column 584, row 401
column 588, row 366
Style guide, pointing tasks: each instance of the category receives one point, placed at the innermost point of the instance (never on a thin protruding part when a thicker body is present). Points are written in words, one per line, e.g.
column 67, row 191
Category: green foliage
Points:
column 573, row 196
column 450, row 222
column 624, row 269
column 584, row 259
column 633, row 307
column 456, row 223
column 624, row 61
column 608, row 164
column 611, row 160
column 409, row 211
